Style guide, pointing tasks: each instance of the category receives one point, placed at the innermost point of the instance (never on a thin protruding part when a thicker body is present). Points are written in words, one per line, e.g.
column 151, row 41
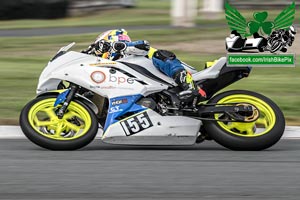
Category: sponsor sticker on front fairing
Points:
column 119, row 101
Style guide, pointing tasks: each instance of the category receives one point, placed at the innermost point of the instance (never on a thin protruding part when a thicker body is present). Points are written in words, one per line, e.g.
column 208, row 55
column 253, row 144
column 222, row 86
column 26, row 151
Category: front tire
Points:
column 248, row 136
column 41, row 125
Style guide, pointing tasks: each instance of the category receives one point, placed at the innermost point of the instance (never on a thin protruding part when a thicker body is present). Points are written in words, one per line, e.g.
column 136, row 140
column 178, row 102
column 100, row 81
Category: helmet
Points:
column 292, row 30
column 114, row 36
column 117, row 35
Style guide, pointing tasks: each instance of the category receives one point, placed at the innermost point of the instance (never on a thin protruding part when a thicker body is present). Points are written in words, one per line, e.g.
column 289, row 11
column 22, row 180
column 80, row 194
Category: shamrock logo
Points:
column 236, row 21
column 260, row 17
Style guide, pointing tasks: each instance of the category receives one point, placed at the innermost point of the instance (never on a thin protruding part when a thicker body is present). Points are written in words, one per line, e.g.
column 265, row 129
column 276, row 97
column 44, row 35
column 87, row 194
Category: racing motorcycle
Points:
column 130, row 102
column 279, row 41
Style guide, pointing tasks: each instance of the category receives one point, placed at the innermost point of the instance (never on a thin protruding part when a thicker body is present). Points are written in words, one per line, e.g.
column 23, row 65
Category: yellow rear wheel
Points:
column 264, row 123
column 259, row 134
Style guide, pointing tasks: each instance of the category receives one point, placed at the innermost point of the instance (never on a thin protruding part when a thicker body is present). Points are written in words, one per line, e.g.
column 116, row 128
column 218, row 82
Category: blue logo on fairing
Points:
column 119, row 106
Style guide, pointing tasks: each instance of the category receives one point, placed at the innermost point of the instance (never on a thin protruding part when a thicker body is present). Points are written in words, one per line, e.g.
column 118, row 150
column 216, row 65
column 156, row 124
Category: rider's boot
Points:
column 190, row 93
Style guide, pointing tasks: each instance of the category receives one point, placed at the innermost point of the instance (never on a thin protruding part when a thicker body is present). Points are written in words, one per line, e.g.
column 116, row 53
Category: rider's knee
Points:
column 166, row 62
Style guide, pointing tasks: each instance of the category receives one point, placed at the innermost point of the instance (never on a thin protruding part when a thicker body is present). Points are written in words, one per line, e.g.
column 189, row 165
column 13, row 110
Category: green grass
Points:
column 153, row 4
column 23, row 59
column 18, row 82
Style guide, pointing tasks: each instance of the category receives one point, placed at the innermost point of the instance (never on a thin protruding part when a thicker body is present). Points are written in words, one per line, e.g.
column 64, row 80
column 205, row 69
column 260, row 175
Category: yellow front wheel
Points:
column 259, row 134
column 40, row 124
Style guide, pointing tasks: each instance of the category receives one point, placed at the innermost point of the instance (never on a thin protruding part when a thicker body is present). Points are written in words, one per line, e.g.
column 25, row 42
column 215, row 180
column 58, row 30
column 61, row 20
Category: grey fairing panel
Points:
column 211, row 72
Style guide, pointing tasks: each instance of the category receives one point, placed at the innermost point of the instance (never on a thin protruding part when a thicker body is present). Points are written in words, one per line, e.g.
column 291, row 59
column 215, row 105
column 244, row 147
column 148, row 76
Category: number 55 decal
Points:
column 136, row 124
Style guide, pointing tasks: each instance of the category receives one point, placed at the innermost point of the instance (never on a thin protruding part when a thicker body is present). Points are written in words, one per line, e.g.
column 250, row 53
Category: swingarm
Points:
column 233, row 112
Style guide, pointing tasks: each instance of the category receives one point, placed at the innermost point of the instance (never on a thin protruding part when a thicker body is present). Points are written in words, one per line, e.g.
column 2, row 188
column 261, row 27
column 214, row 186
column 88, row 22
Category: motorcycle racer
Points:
column 115, row 44
column 287, row 35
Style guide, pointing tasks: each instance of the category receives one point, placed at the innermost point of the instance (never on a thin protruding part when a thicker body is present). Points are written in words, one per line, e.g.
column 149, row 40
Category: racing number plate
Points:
column 136, row 124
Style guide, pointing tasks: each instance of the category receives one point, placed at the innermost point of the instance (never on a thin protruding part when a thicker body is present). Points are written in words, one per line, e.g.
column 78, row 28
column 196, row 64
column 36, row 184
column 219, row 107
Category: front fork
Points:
column 70, row 95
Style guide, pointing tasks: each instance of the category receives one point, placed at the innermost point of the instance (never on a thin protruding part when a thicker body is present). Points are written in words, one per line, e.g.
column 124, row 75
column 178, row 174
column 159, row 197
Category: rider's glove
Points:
column 102, row 46
column 142, row 45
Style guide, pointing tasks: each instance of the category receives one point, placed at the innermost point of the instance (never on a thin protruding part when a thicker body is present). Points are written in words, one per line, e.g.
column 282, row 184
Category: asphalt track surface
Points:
column 101, row 171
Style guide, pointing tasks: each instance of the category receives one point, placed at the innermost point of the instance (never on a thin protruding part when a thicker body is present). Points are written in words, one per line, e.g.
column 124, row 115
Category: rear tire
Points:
column 42, row 135
column 232, row 136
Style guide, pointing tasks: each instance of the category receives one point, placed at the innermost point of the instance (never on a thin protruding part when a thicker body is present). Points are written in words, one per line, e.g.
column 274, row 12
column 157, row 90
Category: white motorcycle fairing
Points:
column 124, row 82
column 150, row 128
column 104, row 77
